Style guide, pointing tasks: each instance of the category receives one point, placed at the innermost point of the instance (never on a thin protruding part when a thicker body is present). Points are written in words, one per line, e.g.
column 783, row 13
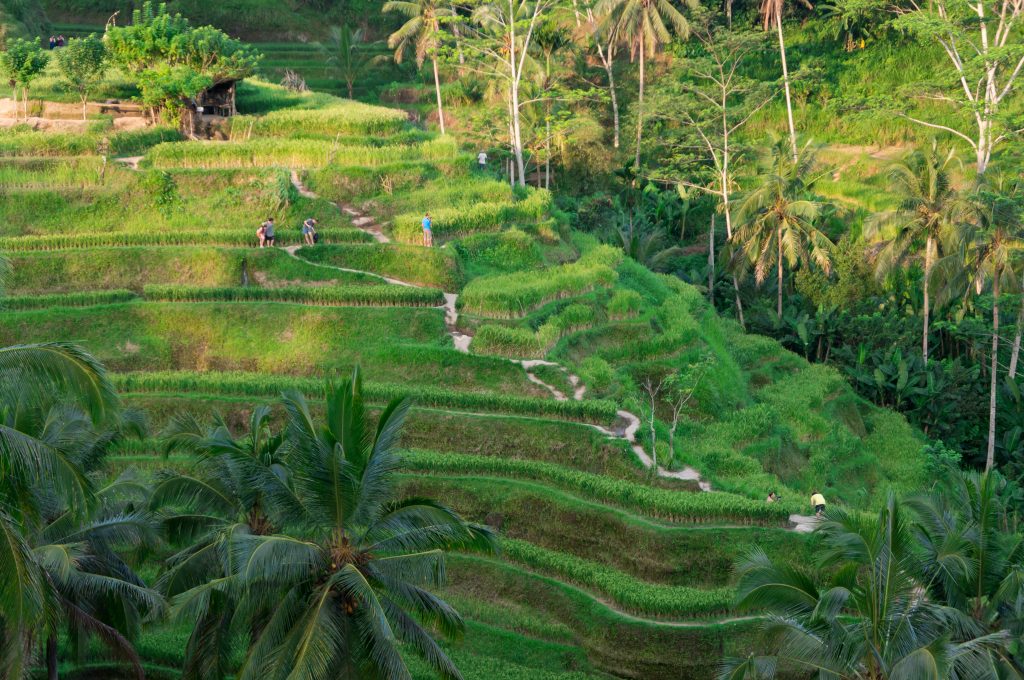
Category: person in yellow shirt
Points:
column 818, row 502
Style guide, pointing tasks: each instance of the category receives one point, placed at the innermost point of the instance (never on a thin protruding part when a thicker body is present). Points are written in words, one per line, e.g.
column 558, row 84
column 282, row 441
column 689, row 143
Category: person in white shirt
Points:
column 481, row 159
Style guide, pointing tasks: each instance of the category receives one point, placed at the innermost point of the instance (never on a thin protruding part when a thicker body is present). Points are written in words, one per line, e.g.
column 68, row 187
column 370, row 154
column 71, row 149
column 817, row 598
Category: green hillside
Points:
column 542, row 451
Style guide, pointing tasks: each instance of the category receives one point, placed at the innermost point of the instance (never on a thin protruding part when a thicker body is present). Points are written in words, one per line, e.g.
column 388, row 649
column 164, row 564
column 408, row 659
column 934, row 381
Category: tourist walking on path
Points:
column 818, row 503
column 261, row 234
column 428, row 235
column 53, row 42
column 309, row 231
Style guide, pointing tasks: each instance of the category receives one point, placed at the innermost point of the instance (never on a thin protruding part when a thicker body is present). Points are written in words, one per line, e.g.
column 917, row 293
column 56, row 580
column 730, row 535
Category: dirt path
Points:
column 627, row 432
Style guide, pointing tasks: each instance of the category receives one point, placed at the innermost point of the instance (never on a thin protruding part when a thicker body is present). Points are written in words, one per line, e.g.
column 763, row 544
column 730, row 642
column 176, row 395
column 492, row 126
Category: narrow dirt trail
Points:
column 627, row 432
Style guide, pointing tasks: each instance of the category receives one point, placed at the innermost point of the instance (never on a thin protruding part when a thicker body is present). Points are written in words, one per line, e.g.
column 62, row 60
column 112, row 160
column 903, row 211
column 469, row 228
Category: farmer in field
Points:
column 309, row 231
column 268, row 232
column 818, row 503
column 481, row 159
column 428, row 235
column 772, row 497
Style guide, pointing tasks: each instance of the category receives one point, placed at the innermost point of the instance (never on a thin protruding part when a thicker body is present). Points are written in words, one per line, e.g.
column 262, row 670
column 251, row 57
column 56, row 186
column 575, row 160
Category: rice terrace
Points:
column 508, row 339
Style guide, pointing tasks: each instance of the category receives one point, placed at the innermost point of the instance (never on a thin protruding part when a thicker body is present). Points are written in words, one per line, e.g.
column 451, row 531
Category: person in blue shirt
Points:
column 428, row 236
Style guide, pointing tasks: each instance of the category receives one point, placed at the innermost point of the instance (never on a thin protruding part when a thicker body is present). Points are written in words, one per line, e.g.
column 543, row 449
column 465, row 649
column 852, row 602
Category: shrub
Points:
column 369, row 296
column 624, row 304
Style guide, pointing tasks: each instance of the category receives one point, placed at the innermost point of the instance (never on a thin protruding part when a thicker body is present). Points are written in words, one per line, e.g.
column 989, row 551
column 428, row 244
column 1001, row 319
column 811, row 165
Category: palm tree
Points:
column 993, row 256
column 643, row 26
column 872, row 618
column 58, row 414
column 348, row 54
column 972, row 552
column 420, row 34
column 771, row 15
column 334, row 592
column 777, row 219
column 931, row 213
column 237, row 485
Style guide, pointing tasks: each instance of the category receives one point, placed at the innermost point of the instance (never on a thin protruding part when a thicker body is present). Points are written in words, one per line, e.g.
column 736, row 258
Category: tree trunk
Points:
column 785, row 82
column 51, row 657
column 610, row 68
column 640, row 104
column 547, row 152
column 1015, row 354
column 726, row 209
column 994, row 383
column 928, row 247
column 437, row 89
column 711, row 263
column 85, row 104
column 728, row 13
column 517, row 137
column 778, row 237
column 350, row 95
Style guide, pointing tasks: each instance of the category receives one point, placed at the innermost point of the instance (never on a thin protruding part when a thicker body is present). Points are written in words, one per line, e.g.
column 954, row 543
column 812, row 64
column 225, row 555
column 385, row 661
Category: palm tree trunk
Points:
column 778, row 237
column 640, row 103
column 609, row 67
column 929, row 244
column 51, row 657
column 437, row 89
column 785, row 82
column 711, row 263
column 991, row 454
column 1015, row 354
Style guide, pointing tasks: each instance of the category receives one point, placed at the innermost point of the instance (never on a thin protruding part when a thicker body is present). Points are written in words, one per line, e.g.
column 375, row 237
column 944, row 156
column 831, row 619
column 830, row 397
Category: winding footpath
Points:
column 625, row 428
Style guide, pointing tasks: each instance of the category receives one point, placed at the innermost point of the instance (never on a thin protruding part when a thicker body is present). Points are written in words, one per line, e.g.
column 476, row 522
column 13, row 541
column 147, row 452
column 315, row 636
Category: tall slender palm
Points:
column 771, row 16
column 993, row 260
column 421, row 35
column 238, row 485
column 643, row 26
column 346, row 583
column 932, row 213
column 777, row 219
column 870, row 619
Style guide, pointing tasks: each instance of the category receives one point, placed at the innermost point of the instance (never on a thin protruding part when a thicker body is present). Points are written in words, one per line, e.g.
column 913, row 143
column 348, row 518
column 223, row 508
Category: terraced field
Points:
column 523, row 344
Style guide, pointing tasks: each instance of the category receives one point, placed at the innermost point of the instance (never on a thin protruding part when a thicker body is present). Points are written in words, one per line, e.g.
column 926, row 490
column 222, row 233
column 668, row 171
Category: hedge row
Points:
column 513, row 295
column 628, row 591
column 384, row 295
column 84, row 299
column 675, row 506
column 482, row 217
column 171, row 237
column 522, row 342
column 591, row 410
column 292, row 153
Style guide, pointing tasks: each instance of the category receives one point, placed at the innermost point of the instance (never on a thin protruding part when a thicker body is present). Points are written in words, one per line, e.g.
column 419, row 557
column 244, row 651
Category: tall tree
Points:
column 932, row 215
column 771, row 17
column 778, row 218
column 82, row 63
column 716, row 101
column 422, row 35
column 598, row 34
column 504, row 34
column 341, row 587
column 643, row 26
column 981, row 39
column 993, row 260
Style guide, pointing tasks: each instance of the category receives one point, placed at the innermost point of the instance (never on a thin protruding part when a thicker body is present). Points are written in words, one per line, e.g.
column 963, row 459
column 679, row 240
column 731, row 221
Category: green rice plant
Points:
column 625, row 304
column 28, row 172
column 215, row 237
column 694, row 508
column 448, row 223
column 507, row 341
column 593, row 410
column 505, row 251
column 84, row 299
column 358, row 296
column 291, row 153
column 24, row 141
column 626, row 590
column 512, row 295
column 340, row 117
column 352, row 182
column 422, row 266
